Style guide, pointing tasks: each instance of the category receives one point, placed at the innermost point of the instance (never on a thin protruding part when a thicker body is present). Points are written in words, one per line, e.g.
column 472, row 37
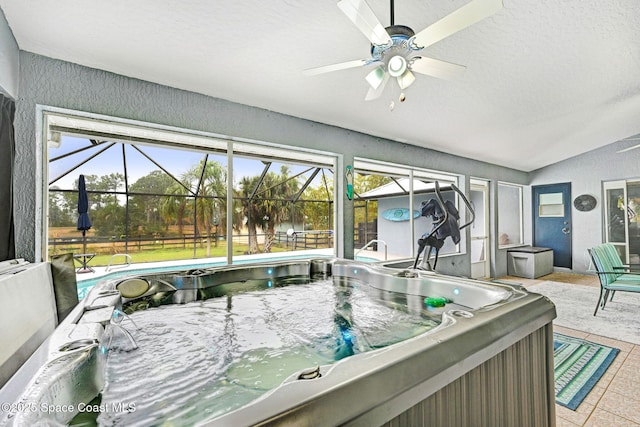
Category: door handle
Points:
column 566, row 230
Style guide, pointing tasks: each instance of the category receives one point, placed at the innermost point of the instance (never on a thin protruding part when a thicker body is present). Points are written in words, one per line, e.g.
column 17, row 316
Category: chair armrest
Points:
column 634, row 267
column 608, row 272
column 628, row 268
column 637, row 273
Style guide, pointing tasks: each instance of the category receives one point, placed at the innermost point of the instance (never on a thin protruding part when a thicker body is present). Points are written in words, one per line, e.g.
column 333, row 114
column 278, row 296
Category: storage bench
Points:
column 530, row 261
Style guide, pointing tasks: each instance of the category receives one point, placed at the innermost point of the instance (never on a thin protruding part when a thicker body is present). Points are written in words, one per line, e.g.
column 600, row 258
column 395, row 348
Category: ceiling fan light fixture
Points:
column 397, row 66
column 393, row 47
column 375, row 93
column 375, row 77
column 406, row 79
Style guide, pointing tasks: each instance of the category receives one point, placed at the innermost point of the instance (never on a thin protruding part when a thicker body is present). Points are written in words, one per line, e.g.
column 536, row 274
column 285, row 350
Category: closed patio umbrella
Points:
column 84, row 223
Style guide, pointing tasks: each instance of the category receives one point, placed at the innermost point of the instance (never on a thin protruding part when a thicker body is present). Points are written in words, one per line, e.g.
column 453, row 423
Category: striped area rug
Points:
column 578, row 365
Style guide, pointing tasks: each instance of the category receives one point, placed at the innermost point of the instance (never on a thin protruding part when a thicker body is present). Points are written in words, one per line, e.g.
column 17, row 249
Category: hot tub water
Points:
column 198, row 360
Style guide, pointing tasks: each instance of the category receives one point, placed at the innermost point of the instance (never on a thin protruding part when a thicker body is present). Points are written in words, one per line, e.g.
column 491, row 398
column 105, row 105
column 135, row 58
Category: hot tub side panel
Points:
column 496, row 352
column 515, row 387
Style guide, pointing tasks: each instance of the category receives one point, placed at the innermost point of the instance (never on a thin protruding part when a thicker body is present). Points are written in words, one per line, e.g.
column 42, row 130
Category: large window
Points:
column 157, row 194
column 284, row 207
column 387, row 204
column 510, row 222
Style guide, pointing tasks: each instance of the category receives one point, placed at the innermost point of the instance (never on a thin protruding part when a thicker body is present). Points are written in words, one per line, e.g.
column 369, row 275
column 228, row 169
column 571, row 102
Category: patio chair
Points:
column 613, row 274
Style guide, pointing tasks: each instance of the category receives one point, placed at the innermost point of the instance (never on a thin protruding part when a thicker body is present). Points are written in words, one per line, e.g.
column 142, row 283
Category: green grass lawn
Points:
column 156, row 255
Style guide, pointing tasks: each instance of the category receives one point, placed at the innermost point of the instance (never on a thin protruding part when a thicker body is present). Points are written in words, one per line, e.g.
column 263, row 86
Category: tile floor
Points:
column 615, row 400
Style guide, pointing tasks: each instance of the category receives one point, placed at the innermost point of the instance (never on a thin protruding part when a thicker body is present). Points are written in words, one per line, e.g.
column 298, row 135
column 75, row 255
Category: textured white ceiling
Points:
column 545, row 79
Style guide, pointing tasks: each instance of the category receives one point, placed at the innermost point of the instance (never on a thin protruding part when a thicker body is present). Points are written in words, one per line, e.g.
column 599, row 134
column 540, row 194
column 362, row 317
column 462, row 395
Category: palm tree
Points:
column 276, row 199
column 264, row 203
column 211, row 191
column 248, row 211
column 173, row 208
column 211, row 196
column 206, row 184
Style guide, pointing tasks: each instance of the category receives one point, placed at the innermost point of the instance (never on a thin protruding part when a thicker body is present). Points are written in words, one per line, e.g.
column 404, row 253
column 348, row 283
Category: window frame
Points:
column 127, row 131
column 365, row 165
column 500, row 215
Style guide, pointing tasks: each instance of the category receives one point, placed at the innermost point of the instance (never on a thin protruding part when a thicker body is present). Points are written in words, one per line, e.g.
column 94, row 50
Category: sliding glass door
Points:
column 622, row 222
column 480, row 244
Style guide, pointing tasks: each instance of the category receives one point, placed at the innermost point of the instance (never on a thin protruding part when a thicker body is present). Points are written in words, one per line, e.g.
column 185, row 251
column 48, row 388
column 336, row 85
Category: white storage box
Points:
column 530, row 262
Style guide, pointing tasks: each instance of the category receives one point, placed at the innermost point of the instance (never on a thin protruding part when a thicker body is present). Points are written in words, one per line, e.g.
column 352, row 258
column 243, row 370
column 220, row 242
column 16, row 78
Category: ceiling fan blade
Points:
column 335, row 67
column 624, row 150
column 462, row 18
column 406, row 79
column 359, row 12
column 436, row 68
column 375, row 93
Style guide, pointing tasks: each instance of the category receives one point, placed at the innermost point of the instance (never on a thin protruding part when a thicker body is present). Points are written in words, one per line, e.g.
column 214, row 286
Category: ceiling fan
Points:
column 395, row 48
column 633, row 147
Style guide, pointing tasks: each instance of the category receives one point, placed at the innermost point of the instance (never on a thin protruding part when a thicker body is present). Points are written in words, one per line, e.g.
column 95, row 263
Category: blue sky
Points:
column 110, row 161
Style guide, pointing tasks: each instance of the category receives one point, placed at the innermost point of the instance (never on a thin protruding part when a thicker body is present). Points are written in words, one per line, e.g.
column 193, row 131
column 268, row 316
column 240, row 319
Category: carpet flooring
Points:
column 575, row 305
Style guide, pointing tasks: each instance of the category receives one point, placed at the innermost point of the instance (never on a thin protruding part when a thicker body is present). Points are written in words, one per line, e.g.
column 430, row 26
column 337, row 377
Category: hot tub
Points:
column 302, row 342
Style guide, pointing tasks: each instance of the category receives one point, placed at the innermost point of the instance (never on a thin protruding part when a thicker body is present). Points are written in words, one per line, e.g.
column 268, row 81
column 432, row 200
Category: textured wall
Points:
column 9, row 59
column 586, row 174
column 50, row 82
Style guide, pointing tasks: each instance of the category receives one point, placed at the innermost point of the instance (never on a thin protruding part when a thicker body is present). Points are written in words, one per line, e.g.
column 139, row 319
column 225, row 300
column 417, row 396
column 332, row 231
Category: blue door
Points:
column 552, row 221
